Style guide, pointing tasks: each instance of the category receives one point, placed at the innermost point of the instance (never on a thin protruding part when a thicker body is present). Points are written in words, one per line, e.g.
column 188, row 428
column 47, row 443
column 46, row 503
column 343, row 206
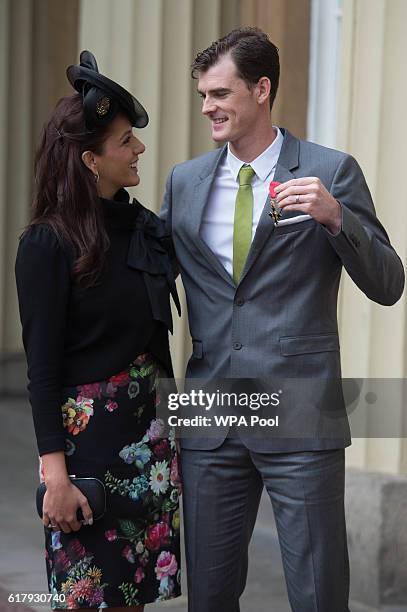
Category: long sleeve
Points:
column 43, row 286
column 363, row 244
column 165, row 215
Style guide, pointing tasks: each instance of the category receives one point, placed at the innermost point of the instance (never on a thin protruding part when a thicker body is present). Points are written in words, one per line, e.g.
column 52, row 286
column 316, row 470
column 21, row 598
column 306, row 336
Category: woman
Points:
column 93, row 280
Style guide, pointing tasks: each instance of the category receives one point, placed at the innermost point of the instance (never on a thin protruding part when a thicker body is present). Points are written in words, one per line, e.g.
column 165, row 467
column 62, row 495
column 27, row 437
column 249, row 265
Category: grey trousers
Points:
column 222, row 489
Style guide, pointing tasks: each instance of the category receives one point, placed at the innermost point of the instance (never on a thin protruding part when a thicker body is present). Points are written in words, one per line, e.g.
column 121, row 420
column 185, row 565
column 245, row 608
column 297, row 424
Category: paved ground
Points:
column 22, row 566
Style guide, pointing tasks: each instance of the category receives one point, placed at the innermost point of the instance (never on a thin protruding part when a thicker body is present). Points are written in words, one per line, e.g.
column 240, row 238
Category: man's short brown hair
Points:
column 253, row 53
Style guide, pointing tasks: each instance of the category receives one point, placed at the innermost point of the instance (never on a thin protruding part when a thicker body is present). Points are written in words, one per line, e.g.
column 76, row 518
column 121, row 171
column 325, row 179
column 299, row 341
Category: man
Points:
column 262, row 299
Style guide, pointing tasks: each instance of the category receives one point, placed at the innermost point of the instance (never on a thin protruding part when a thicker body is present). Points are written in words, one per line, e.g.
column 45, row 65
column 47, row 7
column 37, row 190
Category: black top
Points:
column 73, row 335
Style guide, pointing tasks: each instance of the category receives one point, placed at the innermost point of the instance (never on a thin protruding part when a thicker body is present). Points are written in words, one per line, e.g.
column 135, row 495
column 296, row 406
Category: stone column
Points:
column 370, row 123
column 16, row 155
column 148, row 46
column 372, row 126
column 287, row 22
column 37, row 39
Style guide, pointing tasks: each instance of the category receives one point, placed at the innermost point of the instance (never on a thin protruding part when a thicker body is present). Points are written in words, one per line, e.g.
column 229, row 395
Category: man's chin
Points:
column 219, row 137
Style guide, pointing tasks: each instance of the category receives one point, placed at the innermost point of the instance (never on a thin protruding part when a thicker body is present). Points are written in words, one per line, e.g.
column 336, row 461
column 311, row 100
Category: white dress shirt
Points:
column 217, row 220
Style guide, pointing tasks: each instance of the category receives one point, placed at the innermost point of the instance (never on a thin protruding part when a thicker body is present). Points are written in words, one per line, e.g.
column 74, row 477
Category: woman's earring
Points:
column 96, row 177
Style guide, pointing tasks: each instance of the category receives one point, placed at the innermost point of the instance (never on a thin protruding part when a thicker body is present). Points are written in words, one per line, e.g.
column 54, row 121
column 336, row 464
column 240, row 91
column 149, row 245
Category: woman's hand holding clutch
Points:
column 62, row 499
column 61, row 503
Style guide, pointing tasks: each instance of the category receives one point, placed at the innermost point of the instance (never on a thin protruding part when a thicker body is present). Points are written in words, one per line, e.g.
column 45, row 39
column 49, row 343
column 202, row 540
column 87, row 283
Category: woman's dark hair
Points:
column 65, row 190
column 253, row 53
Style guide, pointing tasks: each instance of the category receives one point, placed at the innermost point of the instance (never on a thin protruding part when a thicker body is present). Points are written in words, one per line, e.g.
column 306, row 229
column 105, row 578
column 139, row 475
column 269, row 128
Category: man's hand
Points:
column 309, row 196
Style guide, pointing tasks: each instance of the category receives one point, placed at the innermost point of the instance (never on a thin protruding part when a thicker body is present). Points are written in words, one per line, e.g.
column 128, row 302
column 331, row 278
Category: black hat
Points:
column 102, row 97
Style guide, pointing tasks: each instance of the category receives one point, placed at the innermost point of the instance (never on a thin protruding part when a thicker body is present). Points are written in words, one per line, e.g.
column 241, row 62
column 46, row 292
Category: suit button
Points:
column 239, row 302
column 237, row 346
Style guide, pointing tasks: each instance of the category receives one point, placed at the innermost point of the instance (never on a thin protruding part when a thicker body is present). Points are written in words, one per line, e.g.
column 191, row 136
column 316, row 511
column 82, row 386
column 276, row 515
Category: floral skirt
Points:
column 131, row 555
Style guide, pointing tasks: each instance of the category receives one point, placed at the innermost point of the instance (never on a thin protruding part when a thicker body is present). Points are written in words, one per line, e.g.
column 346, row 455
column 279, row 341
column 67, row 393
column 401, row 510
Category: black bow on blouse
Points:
column 151, row 251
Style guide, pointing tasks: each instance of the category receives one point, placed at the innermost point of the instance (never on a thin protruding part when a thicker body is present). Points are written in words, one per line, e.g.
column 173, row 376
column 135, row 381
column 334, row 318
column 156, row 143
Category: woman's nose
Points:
column 139, row 147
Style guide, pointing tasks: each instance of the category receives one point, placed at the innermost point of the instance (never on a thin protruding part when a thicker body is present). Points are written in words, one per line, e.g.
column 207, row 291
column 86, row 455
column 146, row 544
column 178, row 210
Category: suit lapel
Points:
column 201, row 194
column 287, row 161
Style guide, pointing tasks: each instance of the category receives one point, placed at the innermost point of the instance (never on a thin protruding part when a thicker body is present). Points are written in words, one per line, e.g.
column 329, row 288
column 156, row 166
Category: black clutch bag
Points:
column 92, row 488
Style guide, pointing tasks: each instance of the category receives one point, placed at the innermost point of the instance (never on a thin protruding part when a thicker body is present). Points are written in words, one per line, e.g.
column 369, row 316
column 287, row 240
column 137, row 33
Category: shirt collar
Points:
column 263, row 164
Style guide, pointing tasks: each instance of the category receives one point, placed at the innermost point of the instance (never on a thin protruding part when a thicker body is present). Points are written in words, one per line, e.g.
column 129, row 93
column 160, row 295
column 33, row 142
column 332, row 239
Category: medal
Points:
column 275, row 212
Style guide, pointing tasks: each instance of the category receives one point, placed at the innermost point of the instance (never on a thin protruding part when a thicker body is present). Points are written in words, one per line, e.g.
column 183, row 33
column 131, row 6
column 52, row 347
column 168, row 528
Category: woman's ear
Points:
column 88, row 159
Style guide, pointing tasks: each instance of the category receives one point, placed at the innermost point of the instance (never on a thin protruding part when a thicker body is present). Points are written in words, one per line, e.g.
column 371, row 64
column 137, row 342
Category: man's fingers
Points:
column 297, row 207
column 303, row 200
column 294, row 191
column 305, row 180
column 290, row 203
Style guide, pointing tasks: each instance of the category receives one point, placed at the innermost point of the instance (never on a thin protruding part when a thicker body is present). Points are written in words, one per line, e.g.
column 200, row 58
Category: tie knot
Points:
column 246, row 174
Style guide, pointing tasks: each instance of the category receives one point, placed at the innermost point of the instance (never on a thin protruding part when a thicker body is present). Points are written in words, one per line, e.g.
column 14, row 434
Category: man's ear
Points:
column 263, row 88
column 89, row 160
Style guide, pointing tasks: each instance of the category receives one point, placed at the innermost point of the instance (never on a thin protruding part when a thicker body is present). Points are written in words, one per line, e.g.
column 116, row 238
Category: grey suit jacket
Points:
column 280, row 321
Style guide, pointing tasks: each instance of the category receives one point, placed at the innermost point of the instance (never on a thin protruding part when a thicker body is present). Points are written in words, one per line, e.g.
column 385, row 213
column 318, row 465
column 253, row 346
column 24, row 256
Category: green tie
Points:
column 242, row 225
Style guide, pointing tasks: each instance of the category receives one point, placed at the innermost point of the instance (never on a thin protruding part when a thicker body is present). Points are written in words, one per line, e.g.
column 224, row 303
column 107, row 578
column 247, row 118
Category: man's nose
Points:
column 208, row 106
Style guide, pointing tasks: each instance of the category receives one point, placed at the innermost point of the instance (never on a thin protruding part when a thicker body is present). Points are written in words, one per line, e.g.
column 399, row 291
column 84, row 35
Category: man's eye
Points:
column 126, row 140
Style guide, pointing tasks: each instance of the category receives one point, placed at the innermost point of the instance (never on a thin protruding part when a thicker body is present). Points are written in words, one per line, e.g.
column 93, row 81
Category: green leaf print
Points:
column 129, row 529
column 133, row 488
column 129, row 591
column 169, row 505
column 143, row 372
column 148, row 499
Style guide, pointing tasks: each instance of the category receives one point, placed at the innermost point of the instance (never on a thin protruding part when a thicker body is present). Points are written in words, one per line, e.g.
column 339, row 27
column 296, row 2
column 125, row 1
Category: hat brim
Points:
column 78, row 76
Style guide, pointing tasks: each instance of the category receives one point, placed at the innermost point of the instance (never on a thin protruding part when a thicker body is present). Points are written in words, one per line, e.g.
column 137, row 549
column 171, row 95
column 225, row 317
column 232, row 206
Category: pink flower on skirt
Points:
column 111, row 389
column 157, row 535
column 175, row 476
column 139, row 575
column 121, row 379
column 161, row 449
column 111, row 535
column 71, row 603
column 156, row 430
column 82, row 589
column 140, row 359
column 97, row 596
column 110, row 405
column 62, row 562
column 93, row 390
column 166, row 565
column 128, row 554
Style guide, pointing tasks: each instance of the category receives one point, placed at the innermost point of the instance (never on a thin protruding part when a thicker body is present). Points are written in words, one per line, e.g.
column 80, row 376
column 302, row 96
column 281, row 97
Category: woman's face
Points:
column 117, row 164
